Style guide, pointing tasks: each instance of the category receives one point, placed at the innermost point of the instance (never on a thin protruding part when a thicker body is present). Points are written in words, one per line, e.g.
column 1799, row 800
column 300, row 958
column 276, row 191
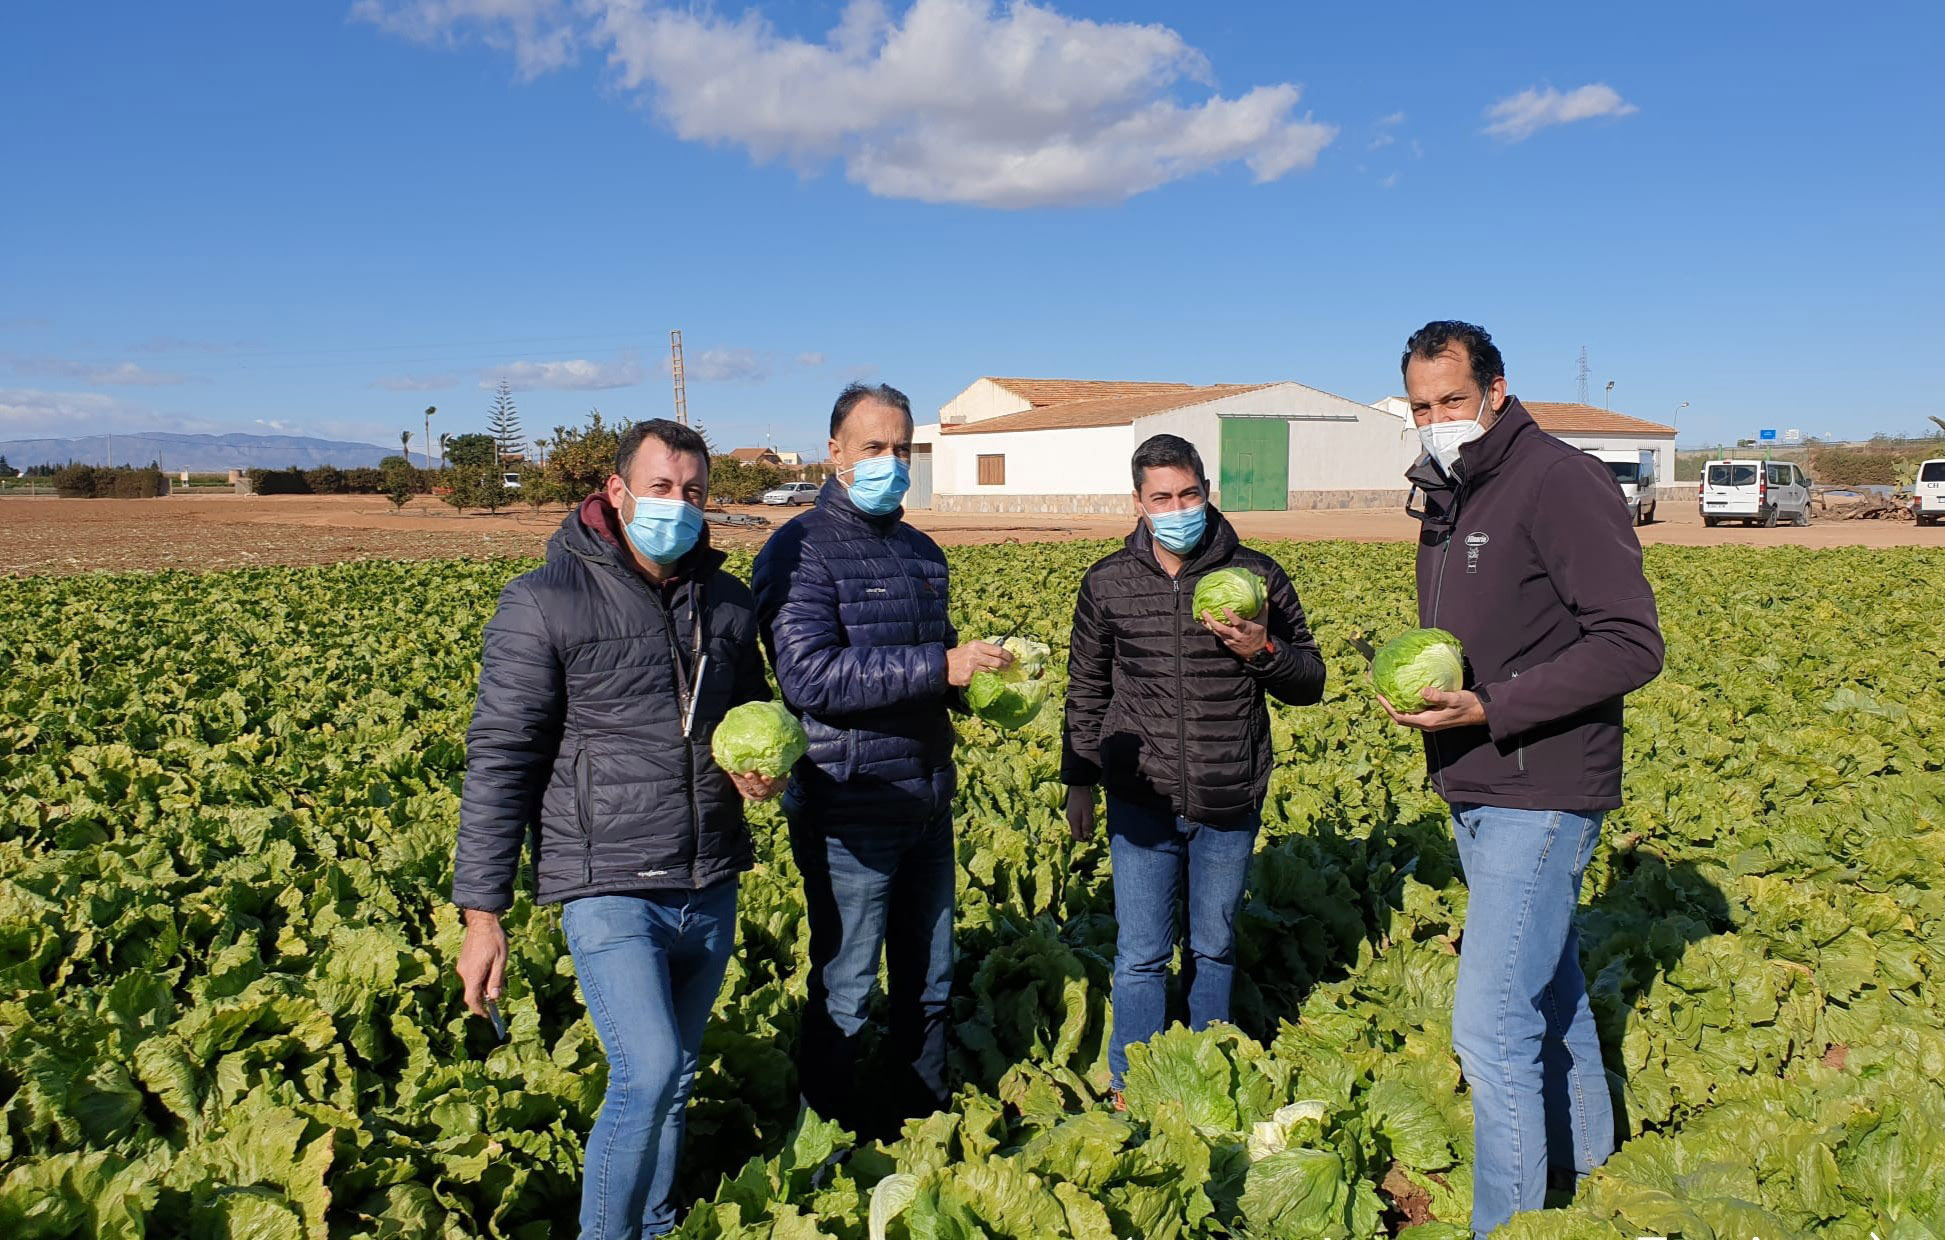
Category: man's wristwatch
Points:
column 1264, row 657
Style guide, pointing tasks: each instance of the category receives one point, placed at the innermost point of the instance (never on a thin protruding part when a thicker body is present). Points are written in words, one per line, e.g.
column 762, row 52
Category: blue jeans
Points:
column 1521, row 1024
column 650, row 966
column 1153, row 851
column 867, row 887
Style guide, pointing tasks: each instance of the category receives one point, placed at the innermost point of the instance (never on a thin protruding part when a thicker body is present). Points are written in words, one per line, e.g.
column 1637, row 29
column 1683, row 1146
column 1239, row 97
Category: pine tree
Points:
column 503, row 423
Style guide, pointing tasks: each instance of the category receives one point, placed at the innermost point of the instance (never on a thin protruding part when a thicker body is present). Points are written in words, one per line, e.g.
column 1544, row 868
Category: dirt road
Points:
column 229, row 531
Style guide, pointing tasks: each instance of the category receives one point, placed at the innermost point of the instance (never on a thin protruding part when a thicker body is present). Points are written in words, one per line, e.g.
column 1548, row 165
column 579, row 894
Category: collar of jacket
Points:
column 835, row 497
column 593, row 533
column 1219, row 542
column 1478, row 461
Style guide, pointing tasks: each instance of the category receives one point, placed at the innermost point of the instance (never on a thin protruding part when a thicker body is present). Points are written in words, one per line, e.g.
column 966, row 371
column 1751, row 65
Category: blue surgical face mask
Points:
column 879, row 483
column 1179, row 531
column 663, row 529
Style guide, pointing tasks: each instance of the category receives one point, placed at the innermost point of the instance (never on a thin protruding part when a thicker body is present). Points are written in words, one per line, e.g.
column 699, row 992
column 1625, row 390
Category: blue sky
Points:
column 326, row 216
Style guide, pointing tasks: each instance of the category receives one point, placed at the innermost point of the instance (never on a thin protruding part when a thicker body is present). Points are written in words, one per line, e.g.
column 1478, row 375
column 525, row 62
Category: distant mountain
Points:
column 196, row 453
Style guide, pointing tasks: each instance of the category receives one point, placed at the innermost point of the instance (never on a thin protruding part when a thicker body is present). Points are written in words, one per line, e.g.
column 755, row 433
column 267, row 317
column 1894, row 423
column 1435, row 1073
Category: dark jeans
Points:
column 869, row 886
column 1156, row 855
column 649, row 967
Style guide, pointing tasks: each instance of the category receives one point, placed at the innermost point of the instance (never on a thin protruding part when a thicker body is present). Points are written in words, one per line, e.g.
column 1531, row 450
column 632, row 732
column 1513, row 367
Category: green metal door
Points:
column 1255, row 471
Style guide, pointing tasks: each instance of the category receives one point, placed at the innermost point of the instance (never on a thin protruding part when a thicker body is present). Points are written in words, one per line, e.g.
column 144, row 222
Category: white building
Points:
column 1584, row 427
column 1063, row 445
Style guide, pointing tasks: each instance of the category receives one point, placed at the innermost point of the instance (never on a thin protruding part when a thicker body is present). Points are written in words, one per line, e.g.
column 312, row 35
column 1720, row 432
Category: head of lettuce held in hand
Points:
column 1010, row 697
column 1413, row 662
column 1237, row 589
column 759, row 736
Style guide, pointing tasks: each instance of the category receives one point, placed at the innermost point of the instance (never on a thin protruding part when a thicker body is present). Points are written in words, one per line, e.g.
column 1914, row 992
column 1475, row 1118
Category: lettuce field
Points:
column 227, row 1007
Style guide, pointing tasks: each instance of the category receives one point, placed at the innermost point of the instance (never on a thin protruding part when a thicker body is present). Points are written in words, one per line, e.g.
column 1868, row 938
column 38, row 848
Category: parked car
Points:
column 510, row 480
column 1635, row 473
column 1753, row 492
column 1928, row 492
column 792, row 493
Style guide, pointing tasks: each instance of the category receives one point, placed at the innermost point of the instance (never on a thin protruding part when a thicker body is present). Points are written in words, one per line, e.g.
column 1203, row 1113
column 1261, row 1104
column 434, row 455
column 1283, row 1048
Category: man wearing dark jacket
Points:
column 603, row 677
column 1166, row 708
column 852, row 606
column 1528, row 555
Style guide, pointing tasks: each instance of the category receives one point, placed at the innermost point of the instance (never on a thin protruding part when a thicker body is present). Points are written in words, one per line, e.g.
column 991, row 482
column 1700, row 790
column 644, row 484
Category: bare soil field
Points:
column 229, row 531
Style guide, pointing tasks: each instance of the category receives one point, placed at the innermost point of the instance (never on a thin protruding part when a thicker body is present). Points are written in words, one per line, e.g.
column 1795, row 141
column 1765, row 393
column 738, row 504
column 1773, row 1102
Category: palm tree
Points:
column 427, row 452
column 540, row 451
column 405, row 445
column 444, row 437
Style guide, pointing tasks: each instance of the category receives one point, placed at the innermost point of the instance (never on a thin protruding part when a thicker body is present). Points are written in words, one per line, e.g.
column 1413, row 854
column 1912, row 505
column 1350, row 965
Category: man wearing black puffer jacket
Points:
column 1166, row 708
column 603, row 677
column 853, row 609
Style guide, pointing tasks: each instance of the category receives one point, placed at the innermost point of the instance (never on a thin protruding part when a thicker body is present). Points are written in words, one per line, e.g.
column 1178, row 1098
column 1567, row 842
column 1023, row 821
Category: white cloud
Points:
column 810, row 359
column 578, row 374
column 541, row 34
column 955, row 101
column 1384, row 124
column 29, row 409
column 97, row 374
column 1389, row 182
column 727, row 366
column 416, row 383
column 1518, row 117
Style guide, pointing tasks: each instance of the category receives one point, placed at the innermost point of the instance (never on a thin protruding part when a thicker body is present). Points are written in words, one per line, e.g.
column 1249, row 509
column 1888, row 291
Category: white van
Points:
column 1753, row 492
column 1928, row 492
column 1635, row 472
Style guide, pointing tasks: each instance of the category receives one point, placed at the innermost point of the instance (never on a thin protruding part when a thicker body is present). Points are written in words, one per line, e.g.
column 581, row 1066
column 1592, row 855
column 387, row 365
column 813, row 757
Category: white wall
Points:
column 984, row 399
column 1090, row 460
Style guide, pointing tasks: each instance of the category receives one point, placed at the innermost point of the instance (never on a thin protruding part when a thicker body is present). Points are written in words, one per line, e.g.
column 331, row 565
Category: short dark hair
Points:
column 858, row 393
column 1162, row 450
column 1441, row 334
column 673, row 435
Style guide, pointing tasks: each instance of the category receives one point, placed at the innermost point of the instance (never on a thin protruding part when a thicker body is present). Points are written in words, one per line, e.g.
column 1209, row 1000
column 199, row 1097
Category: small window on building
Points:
column 992, row 471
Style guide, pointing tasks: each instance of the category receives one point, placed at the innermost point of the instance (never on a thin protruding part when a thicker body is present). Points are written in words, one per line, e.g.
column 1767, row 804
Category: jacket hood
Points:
column 593, row 533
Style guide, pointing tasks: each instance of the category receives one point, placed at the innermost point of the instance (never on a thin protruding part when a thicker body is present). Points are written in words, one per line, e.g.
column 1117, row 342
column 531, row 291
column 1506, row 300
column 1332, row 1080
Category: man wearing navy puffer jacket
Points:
column 851, row 604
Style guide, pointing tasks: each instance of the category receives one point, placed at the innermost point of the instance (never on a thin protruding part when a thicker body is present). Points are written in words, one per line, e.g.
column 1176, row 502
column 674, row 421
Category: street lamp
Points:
column 1677, row 419
column 1607, row 401
column 429, row 411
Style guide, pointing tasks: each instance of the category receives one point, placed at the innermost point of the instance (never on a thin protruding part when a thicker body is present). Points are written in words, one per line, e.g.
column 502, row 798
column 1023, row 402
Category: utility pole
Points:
column 681, row 388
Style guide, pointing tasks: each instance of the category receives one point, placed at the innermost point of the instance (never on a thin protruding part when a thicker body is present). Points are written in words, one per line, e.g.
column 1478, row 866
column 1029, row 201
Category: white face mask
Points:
column 1442, row 440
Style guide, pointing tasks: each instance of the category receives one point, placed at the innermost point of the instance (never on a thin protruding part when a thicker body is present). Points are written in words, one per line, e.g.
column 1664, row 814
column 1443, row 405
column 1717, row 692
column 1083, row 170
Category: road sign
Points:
column 1792, row 435
column 1767, row 435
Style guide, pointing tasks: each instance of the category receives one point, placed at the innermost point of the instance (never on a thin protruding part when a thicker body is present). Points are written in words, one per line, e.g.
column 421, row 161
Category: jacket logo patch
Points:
column 1475, row 542
column 651, row 873
column 870, row 590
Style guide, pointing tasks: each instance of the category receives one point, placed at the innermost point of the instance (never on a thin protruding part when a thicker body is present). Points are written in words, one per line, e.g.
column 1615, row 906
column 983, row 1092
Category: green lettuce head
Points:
column 759, row 736
column 1413, row 662
column 1238, row 589
column 1012, row 696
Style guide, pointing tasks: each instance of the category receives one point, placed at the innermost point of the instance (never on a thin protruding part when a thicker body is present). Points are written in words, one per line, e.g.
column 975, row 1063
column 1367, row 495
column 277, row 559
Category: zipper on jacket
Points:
column 1438, row 597
column 1181, row 708
column 584, row 810
column 682, row 708
column 1520, row 752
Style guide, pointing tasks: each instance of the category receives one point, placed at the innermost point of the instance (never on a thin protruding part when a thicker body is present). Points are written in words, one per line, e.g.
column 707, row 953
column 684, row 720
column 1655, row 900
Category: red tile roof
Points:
column 1038, row 392
column 1573, row 418
column 1114, row 410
